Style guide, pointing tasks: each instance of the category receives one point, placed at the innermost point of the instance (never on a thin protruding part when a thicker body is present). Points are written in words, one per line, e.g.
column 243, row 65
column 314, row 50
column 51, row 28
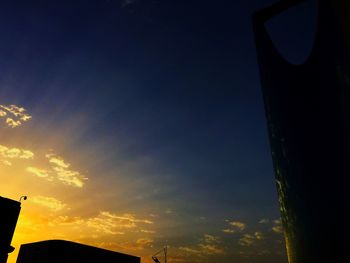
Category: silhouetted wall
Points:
column 58, row 251
column 308, row 114
column 9, row 212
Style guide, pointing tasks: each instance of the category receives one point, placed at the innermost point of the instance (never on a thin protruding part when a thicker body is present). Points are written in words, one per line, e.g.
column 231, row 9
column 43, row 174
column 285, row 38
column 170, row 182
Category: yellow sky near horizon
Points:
column 72, row 196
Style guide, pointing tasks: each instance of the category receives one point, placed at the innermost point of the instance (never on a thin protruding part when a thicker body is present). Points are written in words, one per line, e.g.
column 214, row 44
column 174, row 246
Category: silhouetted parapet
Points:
column 58, row 251
column 308, row 114
column 9, row 212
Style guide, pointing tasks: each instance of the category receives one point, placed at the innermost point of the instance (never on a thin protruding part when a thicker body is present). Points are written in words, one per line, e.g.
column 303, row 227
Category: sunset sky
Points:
column 134, row 124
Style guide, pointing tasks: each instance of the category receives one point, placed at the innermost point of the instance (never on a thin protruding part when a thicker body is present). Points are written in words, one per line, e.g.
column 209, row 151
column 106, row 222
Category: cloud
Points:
column 144, row 242
column 229, row 231
column 247, row 240
column 211, row 249
column 69, row 177
column 239, row 225
column 67, row 220
column 264, row 221
column 277, row 228
column 39, row 172
column 209, row 245
column 58, row 168
column 191, row 250
column 62, row 172
column 234, row 226
column 169, row 211
column 147, row 231
column 211, row 239
column 12, row 123
column 5, row 162
column 49, row 202
column 57, row 161
column 259, row 235
column 109, row 223
column 15, row 153
column 14, row 115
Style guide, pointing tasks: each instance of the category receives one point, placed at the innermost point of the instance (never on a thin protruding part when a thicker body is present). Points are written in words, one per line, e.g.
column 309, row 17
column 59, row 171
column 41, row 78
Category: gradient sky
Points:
column 133, row 124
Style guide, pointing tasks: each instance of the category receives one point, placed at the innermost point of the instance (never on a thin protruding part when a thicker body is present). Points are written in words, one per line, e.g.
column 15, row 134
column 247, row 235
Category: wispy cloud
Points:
column 277, row 228
column 56, row 160
column 209, row 245
column 169, row 211
column 49, row 202
column 234, row 227
column 15, row 153
column 259, row 235
column 110, row 223
column 14, row 115
column 39, row 172
column 264, row 221
column 5, row 162
column 57, row 169
column 144, row 242
column 8, row 154
column 61, row 170
column 247, row 240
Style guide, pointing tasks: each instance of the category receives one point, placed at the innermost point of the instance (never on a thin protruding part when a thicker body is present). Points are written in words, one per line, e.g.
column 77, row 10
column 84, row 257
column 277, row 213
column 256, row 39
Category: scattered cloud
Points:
column 211, row 249
column 7, row 154
column 61, row 170
column 57, row 169
column 264, row 221
column 15, row 153
column 169, row 211
column 109, row 223
column 144, row 242
column 14, row 115
column 147, row 231
column 5, row 162
column 39, row 172
column 234, row 227
column 277, row 228
column 229, row 231
column 67, row 220
column 56, row 160
column 49, row 202
column 247, row 240
column 191, row 250
column 209, row 245
column 211, row 239
column 259, row 235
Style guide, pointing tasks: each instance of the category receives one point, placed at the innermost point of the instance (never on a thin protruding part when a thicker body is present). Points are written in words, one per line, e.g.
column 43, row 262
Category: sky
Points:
column 135, row 124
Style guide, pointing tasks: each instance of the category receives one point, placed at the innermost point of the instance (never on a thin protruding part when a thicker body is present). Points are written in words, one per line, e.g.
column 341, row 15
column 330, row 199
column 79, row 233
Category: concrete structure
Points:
column 9, row 212
column 58, row 251
column 308, row 114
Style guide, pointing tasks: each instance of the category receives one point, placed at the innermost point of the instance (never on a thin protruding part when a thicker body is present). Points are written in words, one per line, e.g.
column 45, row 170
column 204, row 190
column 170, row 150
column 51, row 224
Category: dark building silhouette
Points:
column 9, row 212
column 58, row 251
column 308, row 114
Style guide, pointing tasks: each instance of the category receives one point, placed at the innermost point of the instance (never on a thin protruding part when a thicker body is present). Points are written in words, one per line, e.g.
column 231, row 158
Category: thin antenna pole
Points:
column 165, row 253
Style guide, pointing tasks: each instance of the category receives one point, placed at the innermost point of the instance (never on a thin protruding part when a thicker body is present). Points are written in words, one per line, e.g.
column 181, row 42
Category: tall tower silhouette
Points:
column 308, row 115
column 9, row 212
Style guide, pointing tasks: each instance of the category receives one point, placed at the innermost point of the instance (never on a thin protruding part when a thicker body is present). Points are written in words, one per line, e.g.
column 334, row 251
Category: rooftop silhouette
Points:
column 57, row 251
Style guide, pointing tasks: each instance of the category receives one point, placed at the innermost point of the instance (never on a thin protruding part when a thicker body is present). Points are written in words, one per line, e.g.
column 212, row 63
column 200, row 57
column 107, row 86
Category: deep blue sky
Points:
column 173, row 81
